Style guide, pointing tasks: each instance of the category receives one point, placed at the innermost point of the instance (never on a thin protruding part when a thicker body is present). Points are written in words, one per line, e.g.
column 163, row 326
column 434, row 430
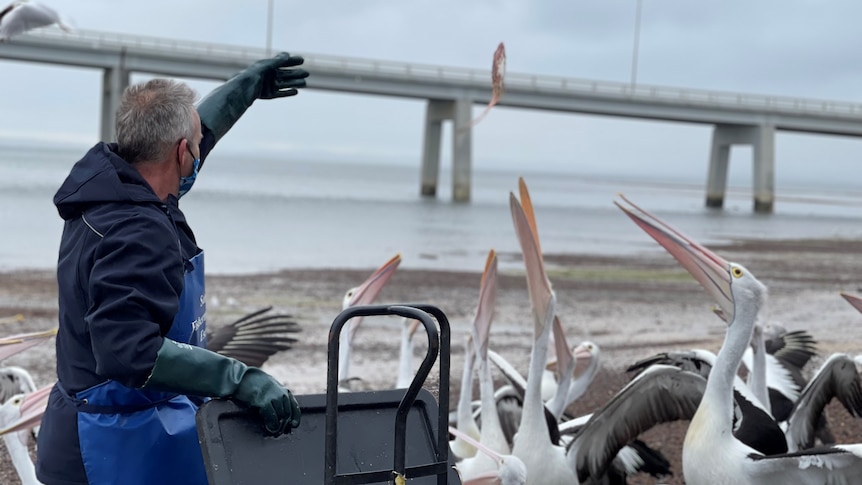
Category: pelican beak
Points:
column 14, row 344
column 564, row 359
column 583, row 356
column 542, row 296
column 414, row 324
column 32, row 407
column 853, row 300
column 485, row 308
column 709, row 269
column 370, row 288
column 365, row 293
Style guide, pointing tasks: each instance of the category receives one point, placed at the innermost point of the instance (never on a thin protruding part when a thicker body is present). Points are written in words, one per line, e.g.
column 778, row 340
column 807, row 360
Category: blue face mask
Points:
column 187, row 182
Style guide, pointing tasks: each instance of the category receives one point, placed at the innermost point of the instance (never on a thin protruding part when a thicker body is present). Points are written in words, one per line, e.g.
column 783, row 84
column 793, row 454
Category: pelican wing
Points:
column 793, row 349
column 837, row 377
column 832, row 465
column 690, row 361
column 658, row 395
column 255, row 337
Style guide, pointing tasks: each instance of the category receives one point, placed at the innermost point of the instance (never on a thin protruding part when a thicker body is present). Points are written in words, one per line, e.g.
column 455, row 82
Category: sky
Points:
column 798, row 48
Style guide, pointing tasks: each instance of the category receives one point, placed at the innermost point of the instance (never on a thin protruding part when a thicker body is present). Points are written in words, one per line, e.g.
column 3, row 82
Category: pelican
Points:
column 491, row 433
column 464, row 420
column 546, row 462
column 405, row 364
column 711, row 453
column 363, row 294
column 19, row 17
column 509, row 469
column 253, row 338
column 14, row 380
column 775, row 380
column 574, row 379
column 18, row 416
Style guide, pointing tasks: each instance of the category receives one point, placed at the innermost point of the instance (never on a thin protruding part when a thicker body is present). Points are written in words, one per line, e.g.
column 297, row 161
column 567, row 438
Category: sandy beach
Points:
column 632, row 307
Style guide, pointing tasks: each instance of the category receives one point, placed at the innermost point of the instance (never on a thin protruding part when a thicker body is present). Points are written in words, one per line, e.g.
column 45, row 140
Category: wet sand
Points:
column 632, row 307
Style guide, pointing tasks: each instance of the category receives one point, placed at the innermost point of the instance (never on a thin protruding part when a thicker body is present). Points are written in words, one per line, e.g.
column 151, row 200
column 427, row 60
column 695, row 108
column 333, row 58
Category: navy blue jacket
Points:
column 119, row 276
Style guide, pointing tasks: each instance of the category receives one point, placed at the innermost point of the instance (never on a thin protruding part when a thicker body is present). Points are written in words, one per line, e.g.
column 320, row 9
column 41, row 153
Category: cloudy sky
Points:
column 794, row 48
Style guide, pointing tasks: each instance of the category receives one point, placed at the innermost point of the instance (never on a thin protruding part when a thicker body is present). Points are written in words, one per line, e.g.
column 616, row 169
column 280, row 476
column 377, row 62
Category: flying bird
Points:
column 21, row 16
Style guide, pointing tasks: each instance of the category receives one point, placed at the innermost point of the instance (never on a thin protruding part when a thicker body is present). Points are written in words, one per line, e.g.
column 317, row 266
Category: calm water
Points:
column 253, row 215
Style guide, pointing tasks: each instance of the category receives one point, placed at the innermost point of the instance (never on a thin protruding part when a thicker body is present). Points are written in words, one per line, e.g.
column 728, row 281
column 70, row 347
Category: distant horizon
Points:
column 739, row 176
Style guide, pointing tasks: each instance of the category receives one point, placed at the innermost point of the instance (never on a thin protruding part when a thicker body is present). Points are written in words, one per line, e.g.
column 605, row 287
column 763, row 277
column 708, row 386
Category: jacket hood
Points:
column 101, row 177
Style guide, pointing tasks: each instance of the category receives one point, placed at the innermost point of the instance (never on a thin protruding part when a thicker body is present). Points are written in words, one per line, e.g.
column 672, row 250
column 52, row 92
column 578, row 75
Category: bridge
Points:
column 451, row 92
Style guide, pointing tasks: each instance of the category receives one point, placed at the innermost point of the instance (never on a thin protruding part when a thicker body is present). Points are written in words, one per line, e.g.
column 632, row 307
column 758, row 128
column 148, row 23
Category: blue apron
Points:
column 135, row 436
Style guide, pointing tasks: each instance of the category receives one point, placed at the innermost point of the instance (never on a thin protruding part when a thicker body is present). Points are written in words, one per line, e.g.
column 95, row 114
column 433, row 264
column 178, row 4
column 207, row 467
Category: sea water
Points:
column 255, row 214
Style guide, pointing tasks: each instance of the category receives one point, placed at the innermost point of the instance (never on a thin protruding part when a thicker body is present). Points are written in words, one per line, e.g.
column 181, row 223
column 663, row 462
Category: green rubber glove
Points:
column 265, row 79
column 191, row 370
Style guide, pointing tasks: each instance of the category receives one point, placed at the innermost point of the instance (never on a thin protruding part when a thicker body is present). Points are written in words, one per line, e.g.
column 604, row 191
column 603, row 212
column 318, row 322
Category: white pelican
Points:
column 405, row 363
column 775, row 380
column 491, row 432
column 18, row 416
column 363, row 294
column 14, row 380
column 711, row 454
column 21, row 16
column 508, row 469
column 546, row 462
column 464, row 420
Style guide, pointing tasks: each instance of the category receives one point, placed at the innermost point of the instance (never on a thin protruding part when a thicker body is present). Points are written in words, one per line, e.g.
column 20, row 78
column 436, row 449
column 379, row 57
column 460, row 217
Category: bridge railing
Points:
column 477, row 77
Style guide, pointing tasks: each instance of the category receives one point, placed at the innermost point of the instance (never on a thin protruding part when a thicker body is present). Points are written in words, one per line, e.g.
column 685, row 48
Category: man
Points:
column 131, row 343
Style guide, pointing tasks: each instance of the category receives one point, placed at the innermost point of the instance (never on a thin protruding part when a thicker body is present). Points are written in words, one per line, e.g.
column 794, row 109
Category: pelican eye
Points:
column 736, row 272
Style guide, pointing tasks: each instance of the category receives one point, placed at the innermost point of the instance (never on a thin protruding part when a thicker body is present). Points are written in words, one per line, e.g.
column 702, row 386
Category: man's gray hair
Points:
column 152, row 117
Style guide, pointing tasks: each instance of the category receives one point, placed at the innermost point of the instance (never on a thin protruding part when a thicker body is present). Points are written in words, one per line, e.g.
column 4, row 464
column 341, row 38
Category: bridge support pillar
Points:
column 762, row 140
column 114, row 82
column 437, row 111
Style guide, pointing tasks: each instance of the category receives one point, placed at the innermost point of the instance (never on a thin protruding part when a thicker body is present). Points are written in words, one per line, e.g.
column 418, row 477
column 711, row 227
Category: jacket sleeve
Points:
column 134, row 291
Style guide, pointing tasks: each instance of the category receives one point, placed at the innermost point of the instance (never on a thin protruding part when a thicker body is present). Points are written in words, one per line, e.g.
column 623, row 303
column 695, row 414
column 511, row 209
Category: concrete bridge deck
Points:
column 451, row 92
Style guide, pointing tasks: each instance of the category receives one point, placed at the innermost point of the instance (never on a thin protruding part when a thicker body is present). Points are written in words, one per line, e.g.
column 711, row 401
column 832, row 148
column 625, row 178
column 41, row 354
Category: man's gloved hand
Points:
column 191, row 370
column 276, row 80
column 276, row 405
column 276, row 77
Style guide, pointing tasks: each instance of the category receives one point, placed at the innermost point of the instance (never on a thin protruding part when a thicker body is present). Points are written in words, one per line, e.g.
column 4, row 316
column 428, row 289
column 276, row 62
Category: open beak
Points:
column 709, row 269
column 14, row 344
column 365, row 293
column 370, row 288
column 538, row 285
column 853, row 300
column 32, row 408
column 485, row 308
column 414, row 324
column 564, row 360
